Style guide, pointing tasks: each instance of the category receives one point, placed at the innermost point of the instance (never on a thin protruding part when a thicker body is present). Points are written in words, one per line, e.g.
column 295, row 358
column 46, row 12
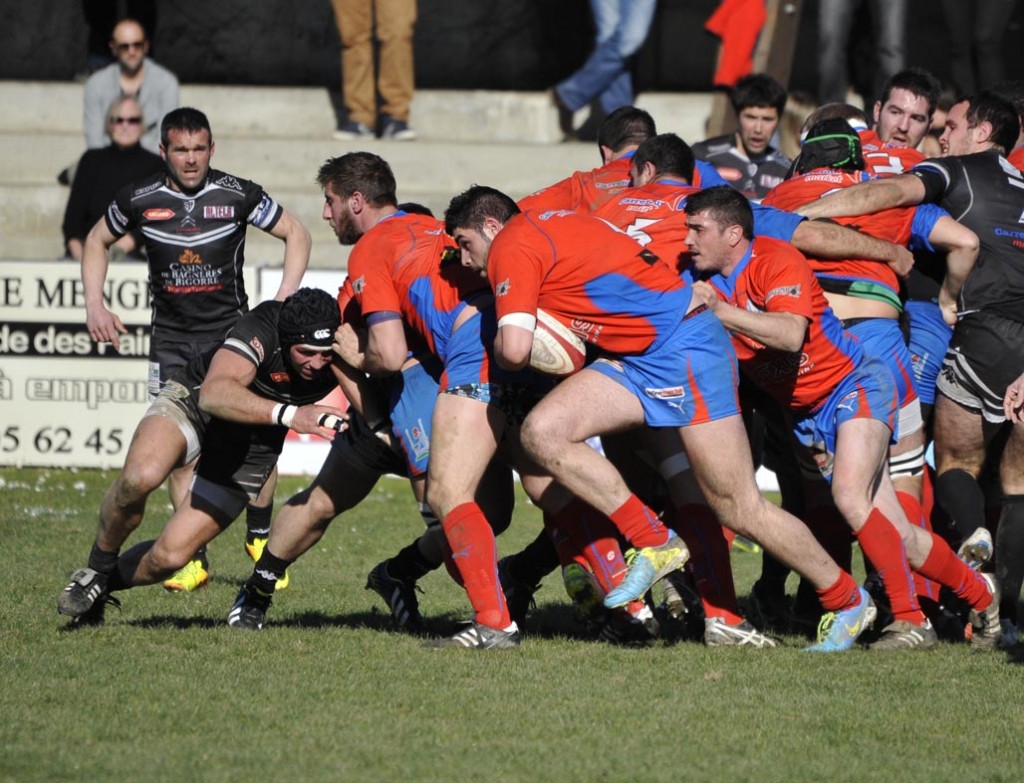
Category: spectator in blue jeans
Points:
column 621, row 28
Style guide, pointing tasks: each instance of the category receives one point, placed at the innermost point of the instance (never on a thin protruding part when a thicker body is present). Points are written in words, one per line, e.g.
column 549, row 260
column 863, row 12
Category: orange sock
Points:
column 475, row 555
column 880, row 542
column 840, row 595
column 582, row 532
column 709, row 554
column 638, row 524
column 947, row 569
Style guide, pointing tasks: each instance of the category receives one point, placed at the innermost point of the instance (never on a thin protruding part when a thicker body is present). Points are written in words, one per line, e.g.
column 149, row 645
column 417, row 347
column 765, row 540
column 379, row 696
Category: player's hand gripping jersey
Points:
column 397, row 268
column 775, row 278
column 597, row 281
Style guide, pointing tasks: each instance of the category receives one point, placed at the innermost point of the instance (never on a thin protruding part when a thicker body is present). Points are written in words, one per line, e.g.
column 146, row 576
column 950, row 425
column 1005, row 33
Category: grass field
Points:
column 167, row 692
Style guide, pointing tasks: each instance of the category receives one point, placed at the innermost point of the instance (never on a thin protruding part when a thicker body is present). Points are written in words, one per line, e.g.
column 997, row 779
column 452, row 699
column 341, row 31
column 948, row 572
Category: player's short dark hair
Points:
column 310, row 316
column 758, row 89
column 415, row 208
column 360, row 172
column 668, row 153
column 184, row 120
column 470, row 208
column 916, row 81
column 830, row 144
column 725, row 205
column 1013, row 91
column 627, row 126
column 831, row 111
column 999, row 112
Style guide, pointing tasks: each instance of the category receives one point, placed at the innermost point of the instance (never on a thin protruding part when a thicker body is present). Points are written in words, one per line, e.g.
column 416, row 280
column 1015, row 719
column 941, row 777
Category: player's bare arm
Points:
column 823, row 240
column 512, row 346
column 225, row 394
column 868, row 197
column 781, row 331
column 103, row 325
column 297, row 244
column 961, row 246
column 386, row 349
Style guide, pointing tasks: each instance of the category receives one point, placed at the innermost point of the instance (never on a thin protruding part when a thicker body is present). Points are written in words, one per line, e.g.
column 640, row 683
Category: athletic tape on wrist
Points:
column 283, row 414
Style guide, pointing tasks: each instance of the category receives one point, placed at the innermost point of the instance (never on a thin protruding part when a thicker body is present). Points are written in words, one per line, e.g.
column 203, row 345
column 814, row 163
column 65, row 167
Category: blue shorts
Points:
column 869, row 392
column 690, row 378
column 929, row 340
column 411, row 407
column 469, row 358
column 882, row 339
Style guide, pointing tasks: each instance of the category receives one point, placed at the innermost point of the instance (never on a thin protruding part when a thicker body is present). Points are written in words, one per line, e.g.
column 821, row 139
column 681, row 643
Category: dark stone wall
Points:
column 487, row 44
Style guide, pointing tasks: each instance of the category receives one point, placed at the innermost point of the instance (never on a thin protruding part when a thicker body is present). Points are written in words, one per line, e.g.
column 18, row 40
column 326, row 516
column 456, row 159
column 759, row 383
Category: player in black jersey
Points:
column 193, row 220
column 975, row 183
column 234, row 409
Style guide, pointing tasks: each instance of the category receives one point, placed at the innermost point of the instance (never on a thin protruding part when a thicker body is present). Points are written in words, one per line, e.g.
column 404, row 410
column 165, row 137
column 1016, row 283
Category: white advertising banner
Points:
column 66, row 401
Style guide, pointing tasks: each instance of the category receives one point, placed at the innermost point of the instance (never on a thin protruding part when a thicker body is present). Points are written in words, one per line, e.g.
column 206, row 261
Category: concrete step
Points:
column 310, row 112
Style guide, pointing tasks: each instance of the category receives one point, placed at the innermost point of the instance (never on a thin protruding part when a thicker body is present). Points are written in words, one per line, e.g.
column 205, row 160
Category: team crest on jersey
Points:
column 257, row 346
column 158, row 214
column 227, row 181
column 189, row 205
column 218, row 212
column 359, row 284
column 190, row 257
column 418, row 441
column 279, row 377
column 503, row 287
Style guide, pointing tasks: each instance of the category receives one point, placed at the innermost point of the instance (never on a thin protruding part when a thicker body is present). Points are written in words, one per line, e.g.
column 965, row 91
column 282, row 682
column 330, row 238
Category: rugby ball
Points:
column 557, row 350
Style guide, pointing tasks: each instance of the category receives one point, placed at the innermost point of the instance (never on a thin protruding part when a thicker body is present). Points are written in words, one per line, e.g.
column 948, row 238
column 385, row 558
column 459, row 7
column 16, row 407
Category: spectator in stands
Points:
column 621, row 27
column 835, row 23
column 746, row 159
column 102, row 172
column 976, row 31
column 391, row 22
column 133, row 75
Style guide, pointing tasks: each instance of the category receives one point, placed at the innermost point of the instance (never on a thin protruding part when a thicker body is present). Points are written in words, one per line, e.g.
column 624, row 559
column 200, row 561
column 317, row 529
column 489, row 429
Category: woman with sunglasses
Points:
column 102, row 172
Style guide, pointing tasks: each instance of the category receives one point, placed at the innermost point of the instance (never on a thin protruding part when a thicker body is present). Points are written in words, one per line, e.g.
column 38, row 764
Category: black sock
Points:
column 267, row 571
column 538, row 559
column 409, row 565
column 774, row 574
column 961, row 497
column 121, row 577
column 1010, row 554
column 102, row 562
column 257, row 521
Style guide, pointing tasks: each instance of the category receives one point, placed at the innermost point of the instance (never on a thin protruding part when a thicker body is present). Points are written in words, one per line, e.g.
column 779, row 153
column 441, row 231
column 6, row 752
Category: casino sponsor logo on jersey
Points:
column 503, row 287
column 785, row 290
column 219, row 212
column 190, row 275
column 158, row 214
column 190, row 257
column 227, row 181
column 257, row 346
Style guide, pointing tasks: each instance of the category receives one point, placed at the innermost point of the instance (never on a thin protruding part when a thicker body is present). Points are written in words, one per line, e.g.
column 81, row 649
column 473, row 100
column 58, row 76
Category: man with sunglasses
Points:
column 134, row 75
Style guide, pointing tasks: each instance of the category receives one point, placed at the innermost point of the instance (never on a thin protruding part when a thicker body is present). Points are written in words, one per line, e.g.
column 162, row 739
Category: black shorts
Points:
column 166, row 356
column 985, row 356
column 235, row 463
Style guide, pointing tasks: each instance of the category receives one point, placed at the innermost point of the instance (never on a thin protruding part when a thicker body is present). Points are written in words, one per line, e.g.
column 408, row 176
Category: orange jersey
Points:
column 654, row 216
column 594, row 279
column 396, row 268
column 1016, row 158
column 884, row 160
column 893, row 225
column 584, row 191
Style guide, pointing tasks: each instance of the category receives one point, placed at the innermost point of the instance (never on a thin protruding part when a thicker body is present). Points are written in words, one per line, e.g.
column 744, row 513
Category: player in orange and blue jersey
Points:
column 665, row 365
column 843, row 403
